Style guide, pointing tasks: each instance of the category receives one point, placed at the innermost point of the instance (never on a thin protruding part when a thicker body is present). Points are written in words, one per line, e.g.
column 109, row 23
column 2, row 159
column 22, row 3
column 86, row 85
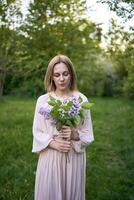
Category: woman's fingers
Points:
column 66, row 136
column 66, row 132
column 65, row 146
column 60, row 145
column 66, row 129
column 64, row 143
column 64, row 126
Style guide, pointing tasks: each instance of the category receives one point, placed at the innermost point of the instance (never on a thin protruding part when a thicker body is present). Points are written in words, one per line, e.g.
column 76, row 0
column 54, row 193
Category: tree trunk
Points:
column 2, row 81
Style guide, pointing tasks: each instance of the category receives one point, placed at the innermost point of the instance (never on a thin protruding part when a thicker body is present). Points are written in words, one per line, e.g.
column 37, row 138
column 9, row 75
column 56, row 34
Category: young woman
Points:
column 59, row 178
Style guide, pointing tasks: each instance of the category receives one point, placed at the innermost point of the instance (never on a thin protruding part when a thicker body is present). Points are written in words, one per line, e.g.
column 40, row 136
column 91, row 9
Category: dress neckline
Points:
column 74, row 94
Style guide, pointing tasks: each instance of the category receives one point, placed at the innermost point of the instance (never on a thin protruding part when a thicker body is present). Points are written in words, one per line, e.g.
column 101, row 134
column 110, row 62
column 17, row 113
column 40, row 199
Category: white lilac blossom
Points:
column 62, row 112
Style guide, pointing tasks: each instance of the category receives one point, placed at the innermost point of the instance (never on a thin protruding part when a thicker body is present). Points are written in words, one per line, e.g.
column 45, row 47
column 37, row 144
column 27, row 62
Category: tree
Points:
column 57, row 27
column 120, row 51
column 123, row 8
column 129, row 81
column 9, row 16
column 50, row 28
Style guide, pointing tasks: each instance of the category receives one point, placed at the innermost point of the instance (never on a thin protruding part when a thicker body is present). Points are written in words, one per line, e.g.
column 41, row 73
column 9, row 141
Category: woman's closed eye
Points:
column 64, row 74
column 56, row 75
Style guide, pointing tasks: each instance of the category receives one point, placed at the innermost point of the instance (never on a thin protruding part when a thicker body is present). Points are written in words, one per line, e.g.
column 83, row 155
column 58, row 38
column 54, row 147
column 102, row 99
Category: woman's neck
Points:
column 63, row 93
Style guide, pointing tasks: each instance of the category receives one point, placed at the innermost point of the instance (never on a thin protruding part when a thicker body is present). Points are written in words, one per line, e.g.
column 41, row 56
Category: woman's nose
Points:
column 61, row 77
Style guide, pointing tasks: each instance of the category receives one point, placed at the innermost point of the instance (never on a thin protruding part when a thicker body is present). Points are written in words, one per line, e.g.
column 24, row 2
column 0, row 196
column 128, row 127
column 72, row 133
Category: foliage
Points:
column 51, row 31
column 129, row 81
column 70, row 112
column 120, row 51
column 10, row 15
column 110, row 158
column 123, row 8
column 50, row 28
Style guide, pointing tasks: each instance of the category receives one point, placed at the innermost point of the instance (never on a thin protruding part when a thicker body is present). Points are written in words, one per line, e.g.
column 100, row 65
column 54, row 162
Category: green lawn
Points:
column 110, row 158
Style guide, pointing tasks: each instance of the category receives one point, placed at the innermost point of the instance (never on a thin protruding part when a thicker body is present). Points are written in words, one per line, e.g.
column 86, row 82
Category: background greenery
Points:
column 26, row 47
column 53, row 27
column 110, row 158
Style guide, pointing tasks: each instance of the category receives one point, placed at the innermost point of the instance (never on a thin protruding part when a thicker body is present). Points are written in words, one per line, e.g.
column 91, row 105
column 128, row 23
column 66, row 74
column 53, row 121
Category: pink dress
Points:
column 59, row 178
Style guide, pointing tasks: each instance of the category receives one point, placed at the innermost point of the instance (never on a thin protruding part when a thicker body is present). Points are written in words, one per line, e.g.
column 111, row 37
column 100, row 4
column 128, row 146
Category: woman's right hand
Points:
column 60, row 145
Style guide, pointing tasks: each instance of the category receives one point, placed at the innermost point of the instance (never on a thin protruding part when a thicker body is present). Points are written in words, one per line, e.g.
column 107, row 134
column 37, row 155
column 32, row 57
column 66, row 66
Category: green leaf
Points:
column 82, row 114
column 80, row 99
column 54, row 113
column 59, row 102
column 59, row 125
column 77, row 119
column 69, row 104
column 87, row 105
column 52, row 98
column 51, row 103
column 69, row 123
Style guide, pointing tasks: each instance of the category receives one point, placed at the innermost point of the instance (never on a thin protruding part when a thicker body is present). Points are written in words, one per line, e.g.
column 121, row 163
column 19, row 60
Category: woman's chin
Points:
column 63, row 88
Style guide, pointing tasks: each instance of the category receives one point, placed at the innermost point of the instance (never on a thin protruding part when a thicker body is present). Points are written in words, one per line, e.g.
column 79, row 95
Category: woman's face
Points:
column 61, row 77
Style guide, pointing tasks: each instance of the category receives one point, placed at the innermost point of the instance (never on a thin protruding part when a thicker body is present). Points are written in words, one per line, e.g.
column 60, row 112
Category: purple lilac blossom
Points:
column 45, row 112
column 75, row 108
column 73, row 111
column 52, row 121
column 76, row 103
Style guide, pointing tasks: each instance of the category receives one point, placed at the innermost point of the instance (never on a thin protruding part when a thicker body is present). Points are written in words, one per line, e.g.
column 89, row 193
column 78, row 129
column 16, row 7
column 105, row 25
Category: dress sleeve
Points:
column 85, row 132
column 41, row 138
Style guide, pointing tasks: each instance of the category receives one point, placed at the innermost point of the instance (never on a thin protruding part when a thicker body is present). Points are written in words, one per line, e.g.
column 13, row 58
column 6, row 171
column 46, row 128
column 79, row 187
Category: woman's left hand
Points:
column 66, row 132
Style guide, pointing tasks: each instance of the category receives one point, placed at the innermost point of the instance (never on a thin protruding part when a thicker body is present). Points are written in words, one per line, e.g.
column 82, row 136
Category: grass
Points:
column 110, row 158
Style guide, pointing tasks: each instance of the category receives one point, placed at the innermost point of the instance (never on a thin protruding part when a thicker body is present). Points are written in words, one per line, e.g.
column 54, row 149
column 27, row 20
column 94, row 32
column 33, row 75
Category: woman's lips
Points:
column 62, row 84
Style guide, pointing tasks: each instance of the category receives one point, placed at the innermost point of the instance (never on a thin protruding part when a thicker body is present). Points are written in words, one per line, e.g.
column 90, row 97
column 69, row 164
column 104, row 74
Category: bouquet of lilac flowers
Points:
column 69, row 112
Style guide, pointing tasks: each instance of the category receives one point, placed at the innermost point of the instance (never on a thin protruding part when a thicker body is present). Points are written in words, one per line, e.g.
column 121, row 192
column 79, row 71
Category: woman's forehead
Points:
column 60, row 67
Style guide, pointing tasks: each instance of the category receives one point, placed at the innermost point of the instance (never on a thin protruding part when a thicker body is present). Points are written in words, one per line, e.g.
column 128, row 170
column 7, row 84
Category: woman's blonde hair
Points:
column 48, row 81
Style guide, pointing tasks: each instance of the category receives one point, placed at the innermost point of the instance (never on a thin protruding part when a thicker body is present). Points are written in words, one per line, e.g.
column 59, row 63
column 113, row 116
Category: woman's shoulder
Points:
column 83, row 96
column 43, row 98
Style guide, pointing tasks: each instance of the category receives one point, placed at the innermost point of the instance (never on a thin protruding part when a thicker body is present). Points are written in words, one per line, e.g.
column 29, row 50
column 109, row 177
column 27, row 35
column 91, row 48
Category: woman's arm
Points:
column 41, row 138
